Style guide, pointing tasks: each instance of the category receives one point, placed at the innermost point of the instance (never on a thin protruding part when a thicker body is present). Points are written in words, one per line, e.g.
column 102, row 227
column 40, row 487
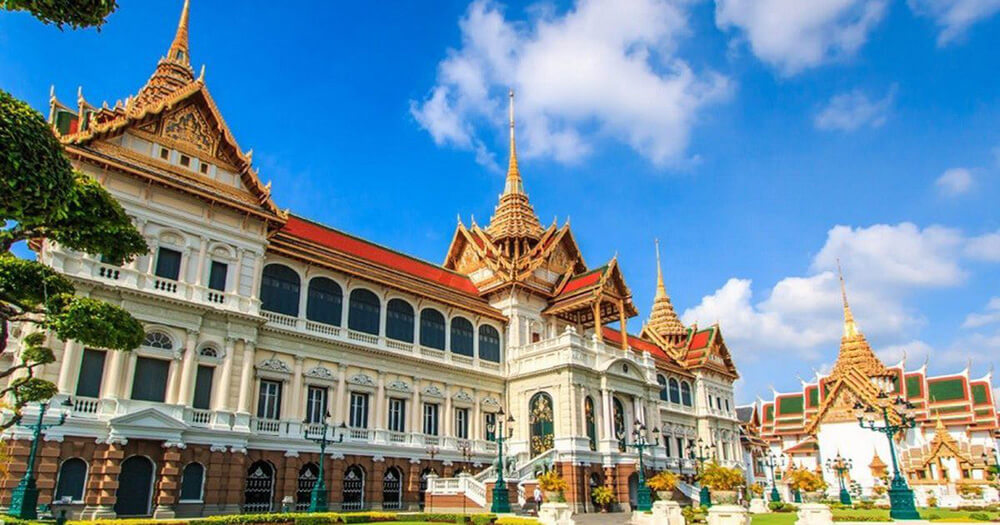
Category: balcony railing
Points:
column 267, row 426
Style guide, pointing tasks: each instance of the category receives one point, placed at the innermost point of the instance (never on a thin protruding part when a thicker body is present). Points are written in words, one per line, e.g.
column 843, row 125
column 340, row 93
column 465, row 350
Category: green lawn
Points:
column 788, row 518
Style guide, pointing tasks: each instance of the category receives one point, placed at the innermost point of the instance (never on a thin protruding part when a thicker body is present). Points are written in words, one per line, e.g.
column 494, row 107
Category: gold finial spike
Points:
column 513, row 183
column 178, row 51
column 201, row 75
column 850, row 327
column 661, row 290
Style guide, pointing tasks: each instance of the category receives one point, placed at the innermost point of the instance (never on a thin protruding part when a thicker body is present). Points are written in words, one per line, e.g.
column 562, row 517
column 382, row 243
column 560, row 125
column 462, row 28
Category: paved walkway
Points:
column 596, row 518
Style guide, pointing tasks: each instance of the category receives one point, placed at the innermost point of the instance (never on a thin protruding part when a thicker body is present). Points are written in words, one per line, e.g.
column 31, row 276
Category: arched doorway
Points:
column 423, row 484
column 259, row 489
column 619, row 421
column 633, row 490
column 392, row 489
column 540, row 417
column 354, row 488
column 592, row 483
column 308, row 475
column 135, row 487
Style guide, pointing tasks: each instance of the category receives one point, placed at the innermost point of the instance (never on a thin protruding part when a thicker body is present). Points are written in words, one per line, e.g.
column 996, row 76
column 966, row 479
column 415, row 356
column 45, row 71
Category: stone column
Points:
column 417, row 411
column 154, row 246
column 168, row 481
column 222, row 401
column 246, row 378
column 234, row 288
column 112, row 387
column 380, row 403
column 449, row 416
column 69, row 369
column 102, row 481
column 295, row 411
column 199, row 277
column 475, row 426
column 236, row 475
column 339, row 411
column 184, row 389
column 185, row 264
column 258, row 270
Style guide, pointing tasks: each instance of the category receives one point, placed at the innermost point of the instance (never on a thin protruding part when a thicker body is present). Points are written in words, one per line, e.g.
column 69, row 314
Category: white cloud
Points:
column 954, row 182
column 988, row 316
column 602, row 69
column 954, row 17
column 883, row 265
column 985, row 247
column 914, row 351
column 854, row 109
column 793, row 35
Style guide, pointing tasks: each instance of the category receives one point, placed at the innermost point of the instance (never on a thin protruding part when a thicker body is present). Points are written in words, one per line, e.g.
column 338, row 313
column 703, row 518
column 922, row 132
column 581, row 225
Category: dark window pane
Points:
column 191, row 481
column 399, row 321
column 489, row 344
column 432, row 329
column 217, row 276
column 91, row 373
column 364, row 313
column 675, row 391
column 72, row 476
column 203, row 387
column 279, row 290
column 150, row 381
column 461, row 336
column 269, row 400
column 323, row 304
column 168, row 264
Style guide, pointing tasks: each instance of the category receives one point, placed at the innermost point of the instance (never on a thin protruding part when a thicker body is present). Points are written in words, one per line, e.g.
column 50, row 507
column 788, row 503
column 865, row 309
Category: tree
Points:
column 42, row 197
column 74, row 13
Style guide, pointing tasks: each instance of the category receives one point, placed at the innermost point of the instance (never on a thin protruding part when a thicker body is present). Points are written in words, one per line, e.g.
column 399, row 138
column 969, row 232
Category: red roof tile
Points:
column 583, row 280
column 342, row 242
column 615, row 336
column 700, row 339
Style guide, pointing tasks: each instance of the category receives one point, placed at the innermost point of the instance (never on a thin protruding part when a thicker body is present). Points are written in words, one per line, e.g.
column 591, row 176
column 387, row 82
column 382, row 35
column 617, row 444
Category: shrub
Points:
column 780, row 506
column 980, row 516
column 663, row 481
column 860, row 517
column 757, row 489
column 603, row 496
column 970, row 491
column 806, row 480
column 717, row 477
column 551, row 481
column 932, row 501
column 510, row 520
column 694, row 515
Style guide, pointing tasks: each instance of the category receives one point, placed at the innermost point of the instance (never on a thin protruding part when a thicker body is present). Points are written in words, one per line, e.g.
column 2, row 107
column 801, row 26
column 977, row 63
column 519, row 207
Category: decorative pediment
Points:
column 433, row 391
column 320, row 372
column 490, row 401
column 361, row 379
column 462, row 395
column 399, row 386
column 274, row 365
column 147, row 418
column 189, row 125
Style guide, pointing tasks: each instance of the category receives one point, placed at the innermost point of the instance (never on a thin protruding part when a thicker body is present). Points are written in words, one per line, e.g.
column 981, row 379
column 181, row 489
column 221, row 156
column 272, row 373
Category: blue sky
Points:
column 759, row 140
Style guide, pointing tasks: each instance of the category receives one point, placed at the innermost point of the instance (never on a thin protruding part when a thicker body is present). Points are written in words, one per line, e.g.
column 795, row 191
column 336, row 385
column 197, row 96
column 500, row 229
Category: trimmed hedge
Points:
column 304, row 518
column 860, row 517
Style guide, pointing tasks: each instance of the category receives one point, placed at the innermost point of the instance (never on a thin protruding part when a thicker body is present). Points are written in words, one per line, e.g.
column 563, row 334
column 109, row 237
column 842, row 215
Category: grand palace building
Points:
column 946, row 456
column 266, row 330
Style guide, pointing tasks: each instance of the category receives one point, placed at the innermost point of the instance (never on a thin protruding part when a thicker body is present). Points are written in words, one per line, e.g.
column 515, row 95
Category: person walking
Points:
column 538, row 499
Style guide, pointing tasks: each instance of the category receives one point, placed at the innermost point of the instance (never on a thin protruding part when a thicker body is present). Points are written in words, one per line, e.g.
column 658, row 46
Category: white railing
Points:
column 85, row 406
column 279, row 319
column 165, row 285
column 399, row 345
column 397, row 437
column 267, row 426
column 109, row 272
column 359, row 434
column 215, row 296
column 321, row 328
column 200, row 417
column 363, row 337
column 431, row 440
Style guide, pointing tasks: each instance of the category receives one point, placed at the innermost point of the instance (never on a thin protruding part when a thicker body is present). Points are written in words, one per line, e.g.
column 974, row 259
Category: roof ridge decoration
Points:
column 173, row 71
column 663, row 318
column 855, row 352
column 514, row 217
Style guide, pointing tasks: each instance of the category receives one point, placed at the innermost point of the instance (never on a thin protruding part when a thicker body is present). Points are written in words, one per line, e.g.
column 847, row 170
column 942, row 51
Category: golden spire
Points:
column 173, row 71
column 850, row 327
column 855, row 352
column 663, row 319
column 514, row 218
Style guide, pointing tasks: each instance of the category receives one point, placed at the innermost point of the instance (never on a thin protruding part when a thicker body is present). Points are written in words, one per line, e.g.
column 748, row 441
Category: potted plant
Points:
column 757, row 490
column 811, row 485
column 603, row 496
column 663, row 483
column 723, row 482
column 553, row 485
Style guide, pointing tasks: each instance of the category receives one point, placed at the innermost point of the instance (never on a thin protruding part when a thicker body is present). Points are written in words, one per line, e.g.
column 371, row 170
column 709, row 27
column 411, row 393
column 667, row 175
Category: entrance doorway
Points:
column 135, row 487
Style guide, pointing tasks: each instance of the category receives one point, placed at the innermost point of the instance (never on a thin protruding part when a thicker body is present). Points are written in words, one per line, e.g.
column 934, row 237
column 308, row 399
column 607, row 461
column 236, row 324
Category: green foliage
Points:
column 74, row 13
column 512, row 520
column 27, row 284
column 694, row 514
column 806, row 480
column 860, row 517
column 717, row 477
column 663, row 481
column 95, row 322
column 781, row 506
column 980, row 516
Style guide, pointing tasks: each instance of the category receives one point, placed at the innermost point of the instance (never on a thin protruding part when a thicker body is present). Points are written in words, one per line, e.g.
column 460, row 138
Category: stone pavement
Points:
column 596, row 518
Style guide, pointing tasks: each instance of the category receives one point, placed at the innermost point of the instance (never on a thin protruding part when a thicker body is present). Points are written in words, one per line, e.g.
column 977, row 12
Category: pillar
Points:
column 222, row 401
column 295, row 411
column 199, row 277
column 69, row 369
column 380, row 403
column 246, row 378
column 185, row 387
column 339, row 411
column 112, row 387
column 168, row 482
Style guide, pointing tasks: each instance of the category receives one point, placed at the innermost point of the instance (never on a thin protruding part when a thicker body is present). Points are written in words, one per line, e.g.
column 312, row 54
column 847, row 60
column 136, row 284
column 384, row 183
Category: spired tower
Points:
column 663, row 325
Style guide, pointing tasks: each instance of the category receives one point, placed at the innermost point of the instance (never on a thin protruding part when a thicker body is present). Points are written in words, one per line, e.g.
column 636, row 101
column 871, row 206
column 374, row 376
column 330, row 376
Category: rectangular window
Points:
column 489, row 427
column 203, row 387
column 150, row 380
column 269, row 401
column 430, row 419
column 727, row 405
column 680, row 448
column 666, row 445
column 203, row 168
column 462, row 423
column 91, row 373
column 397, row 415
column 359, row 410
column 168, row 264
column 164, row 153
column 217, row 276
column 185, row 160
column 316, row 405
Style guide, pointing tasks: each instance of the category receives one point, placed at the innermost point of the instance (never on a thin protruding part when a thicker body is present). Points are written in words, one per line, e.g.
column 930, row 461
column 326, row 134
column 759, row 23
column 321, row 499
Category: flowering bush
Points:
column 717, row 477
column 806, row 481
column 551, row 481
column 664, row 481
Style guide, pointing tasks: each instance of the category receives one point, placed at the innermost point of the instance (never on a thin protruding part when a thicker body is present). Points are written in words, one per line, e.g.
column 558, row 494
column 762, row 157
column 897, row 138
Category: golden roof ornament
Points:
column 172, row 71
column 514, row 218
column 663, row 318
column 855, row 352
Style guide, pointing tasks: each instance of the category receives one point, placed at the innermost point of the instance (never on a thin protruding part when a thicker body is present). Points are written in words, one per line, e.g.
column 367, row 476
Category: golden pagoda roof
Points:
column 173, row 72
column 663, row 318
column 514, row 217
column 855, row 352
column 877, row 463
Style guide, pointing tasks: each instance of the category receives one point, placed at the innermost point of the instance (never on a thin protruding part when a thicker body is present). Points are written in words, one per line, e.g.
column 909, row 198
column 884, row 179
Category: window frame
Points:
column 359, row 402
column 266, row 400
column 161, row 270
column 396, row 413
column 316, row 409
column 143, row 382
column 431, row 419
column 201, row 484
column 461, row 422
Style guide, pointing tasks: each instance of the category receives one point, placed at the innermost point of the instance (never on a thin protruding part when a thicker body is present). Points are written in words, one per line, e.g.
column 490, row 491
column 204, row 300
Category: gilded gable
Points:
column 189, row 125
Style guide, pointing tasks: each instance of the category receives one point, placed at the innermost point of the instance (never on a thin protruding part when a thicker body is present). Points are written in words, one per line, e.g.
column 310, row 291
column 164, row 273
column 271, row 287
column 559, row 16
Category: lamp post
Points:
column 24, row 498
column 902, row 505
column 466, row 450
column 317, row 497
column 644, row 499
column 841, row 467
column 700, row 453
column 771, row 461
column 501, row 498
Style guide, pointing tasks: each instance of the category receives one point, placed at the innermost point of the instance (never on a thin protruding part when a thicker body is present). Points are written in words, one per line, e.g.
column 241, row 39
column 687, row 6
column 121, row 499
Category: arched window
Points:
column 192, row 480
column 489, row 343
column 72, row 479
column 364, row 313
column 675, row 391
column 662, row 381
column 431, row 328
column 399, row 320
column 392, row 489
column 308, row 475
column 686, row 394
column 324, row 301
column 540, row 419
column 588, row 416
column 259, row 488
column 135, row 487
column 209, row 351
column 619, row 420
column 354, row 488
column 422, row 487
column 158, row 340
column 461, row 336
column 279, row 290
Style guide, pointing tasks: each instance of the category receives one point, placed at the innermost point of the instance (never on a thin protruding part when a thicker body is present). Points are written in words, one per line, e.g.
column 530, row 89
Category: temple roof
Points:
column 855, row 352
column 663, row 319
column 614, row 337
column 514, row 218
column 173, row 72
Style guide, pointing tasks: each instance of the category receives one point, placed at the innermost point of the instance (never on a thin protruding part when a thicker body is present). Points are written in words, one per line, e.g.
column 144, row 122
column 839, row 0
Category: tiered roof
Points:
column 663, row 320
column 514, row 218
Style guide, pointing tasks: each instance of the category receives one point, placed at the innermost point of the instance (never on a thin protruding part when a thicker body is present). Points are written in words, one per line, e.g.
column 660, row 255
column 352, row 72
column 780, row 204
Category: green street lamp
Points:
column 902, row 505
column 24, row 498
column 317, row 497
column 771, row 461
column 841, row 467
column 501, row 497
column 701, row 453
column 644, row 498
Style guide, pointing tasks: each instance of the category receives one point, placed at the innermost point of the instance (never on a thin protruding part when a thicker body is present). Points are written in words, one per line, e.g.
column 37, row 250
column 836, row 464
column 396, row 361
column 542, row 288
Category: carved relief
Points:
column 190, row 126
column 320, row 372
column 362, row 379
column 399, row 386
column 433, row 391
column 274, row 365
